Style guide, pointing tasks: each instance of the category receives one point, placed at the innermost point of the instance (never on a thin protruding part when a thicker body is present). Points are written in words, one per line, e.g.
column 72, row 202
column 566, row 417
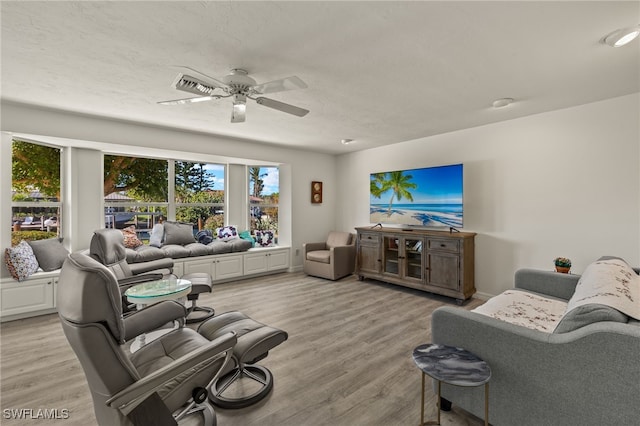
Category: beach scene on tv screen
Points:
column 430, row 197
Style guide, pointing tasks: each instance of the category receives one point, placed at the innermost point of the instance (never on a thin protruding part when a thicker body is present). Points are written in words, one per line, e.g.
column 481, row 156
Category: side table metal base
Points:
column 437, row 422
column 453, row 366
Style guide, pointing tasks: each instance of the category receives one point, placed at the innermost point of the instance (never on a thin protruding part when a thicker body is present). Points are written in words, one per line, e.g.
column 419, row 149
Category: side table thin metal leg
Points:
column 431, row 422
column 422, row 404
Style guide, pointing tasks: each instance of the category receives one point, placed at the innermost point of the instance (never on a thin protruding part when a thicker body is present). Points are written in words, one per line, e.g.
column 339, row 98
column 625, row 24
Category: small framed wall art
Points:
column 316, row 192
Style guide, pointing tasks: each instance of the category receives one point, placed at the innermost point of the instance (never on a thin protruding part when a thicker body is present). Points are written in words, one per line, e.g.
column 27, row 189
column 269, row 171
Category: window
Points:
column 35, row 192
column 135, row 192
column 264, row 194
column 199, row 194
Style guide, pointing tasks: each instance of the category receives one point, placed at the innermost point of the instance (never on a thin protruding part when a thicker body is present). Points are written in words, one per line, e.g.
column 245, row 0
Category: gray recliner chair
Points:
column 331, row 259
column 107, row 247
column 162, row 382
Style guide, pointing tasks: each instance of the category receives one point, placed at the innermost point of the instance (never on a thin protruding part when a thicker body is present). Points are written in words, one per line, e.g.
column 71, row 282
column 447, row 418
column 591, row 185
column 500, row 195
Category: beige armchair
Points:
column 332, row 259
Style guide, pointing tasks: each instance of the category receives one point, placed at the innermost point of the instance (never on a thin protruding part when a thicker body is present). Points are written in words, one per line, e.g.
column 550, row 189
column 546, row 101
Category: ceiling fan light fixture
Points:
column 239, row 108
column 621, row 37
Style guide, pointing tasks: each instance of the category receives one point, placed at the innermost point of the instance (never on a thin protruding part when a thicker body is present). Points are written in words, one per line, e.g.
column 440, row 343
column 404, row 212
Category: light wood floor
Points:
column 347, row 361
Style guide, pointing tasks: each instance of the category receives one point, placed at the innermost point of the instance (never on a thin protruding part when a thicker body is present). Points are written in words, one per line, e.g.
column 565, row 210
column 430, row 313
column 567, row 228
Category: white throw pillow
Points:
column 157, row 234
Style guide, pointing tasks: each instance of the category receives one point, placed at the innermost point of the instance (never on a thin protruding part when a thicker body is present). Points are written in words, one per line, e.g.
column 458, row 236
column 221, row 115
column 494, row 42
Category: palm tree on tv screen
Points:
column 376, row 184
column 399, row 184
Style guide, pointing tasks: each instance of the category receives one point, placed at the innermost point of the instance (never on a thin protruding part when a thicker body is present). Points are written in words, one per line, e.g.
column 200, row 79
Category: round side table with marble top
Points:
column 453, row 366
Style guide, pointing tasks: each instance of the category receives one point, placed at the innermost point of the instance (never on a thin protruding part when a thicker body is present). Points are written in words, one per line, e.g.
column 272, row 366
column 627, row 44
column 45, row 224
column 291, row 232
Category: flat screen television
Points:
column 426, row 197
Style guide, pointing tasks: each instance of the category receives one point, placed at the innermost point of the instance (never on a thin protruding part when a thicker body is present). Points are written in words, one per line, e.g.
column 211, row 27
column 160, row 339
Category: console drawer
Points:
column 368, row 239
column 449, row 245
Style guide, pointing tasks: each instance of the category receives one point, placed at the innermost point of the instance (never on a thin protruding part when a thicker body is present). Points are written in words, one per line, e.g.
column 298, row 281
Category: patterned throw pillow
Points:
column 131, row 239
column 264, row 238
column 21, row 262
column 227, row 233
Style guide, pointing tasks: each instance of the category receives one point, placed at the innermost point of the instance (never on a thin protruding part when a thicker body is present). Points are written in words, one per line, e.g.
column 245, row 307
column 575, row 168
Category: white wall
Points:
column 300, row 220
column 564, row 183
column 83, row 186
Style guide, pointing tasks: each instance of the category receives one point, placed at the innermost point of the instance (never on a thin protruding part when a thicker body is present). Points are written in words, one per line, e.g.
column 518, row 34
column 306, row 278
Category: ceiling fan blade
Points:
column 190, row 84
column 281, row 106
column 188, row 100
column 214, row 81
column 289, row 83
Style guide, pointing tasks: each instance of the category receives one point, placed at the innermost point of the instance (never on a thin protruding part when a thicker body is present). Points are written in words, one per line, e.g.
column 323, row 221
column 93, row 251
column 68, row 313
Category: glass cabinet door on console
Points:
column 402, row 258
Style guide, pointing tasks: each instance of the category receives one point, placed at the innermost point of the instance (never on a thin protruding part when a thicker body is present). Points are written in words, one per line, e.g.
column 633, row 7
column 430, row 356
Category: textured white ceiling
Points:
column 378, row 72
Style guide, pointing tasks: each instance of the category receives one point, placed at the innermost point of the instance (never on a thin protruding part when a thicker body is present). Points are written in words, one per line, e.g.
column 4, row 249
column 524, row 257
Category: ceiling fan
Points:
column 239, row 86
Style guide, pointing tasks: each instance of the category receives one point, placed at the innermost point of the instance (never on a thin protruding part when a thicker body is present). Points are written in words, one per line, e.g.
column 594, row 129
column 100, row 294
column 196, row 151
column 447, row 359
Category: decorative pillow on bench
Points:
column 50, row 253
column 20, row 260
column 227, row 233
column 178, row 233
column 131, row 239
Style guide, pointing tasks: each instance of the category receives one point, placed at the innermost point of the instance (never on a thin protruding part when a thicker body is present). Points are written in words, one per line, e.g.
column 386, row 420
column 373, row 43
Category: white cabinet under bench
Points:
column 34, row 296
column 264, row 261
column 37, row 294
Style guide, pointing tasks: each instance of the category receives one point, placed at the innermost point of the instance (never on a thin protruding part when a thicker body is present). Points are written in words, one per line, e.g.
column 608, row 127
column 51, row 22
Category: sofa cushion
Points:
column 21, row 262
column 588, row 314
column 219, row 247
column 175, row 251
column 525, row 309
column 239, row 245
column 144, row 254
column 197, row 249
column 322, row 256
column 50, row 253
column 178, row 233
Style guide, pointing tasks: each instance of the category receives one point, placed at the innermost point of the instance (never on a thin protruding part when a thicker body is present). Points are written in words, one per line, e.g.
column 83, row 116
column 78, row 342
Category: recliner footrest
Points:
column 254, row 341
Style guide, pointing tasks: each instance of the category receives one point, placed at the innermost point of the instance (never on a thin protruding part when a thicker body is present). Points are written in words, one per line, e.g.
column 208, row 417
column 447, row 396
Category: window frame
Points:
column 262, row 206
column 57, row 205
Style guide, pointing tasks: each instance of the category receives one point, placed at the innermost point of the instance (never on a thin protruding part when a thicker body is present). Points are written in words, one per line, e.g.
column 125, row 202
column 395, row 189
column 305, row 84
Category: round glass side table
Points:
column 152, row 292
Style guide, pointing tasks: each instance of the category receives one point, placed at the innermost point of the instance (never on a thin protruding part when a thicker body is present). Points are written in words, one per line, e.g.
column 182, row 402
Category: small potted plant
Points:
column 563, row 264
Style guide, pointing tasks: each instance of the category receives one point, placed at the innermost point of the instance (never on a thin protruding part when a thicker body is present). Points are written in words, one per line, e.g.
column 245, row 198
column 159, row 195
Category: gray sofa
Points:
column 586, row 374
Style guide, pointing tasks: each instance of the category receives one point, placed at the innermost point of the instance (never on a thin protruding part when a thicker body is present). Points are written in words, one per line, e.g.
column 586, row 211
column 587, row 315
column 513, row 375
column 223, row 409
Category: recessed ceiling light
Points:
column 502, row 102
column 347, row 141
column 620, row 37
